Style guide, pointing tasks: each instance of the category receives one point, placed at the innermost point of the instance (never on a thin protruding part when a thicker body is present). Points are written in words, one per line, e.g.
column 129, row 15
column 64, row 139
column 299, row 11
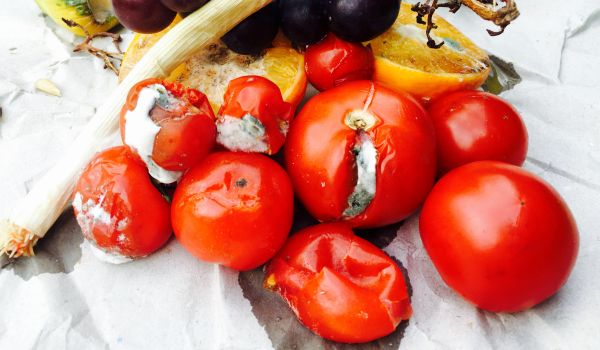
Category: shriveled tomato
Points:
column 339, row 286
column 254, row 117
column 499, row 235
column 169, row 126
column 361, row 153
column 118, row 209
column 234, row 209
column 476, row 125
column 333, row 61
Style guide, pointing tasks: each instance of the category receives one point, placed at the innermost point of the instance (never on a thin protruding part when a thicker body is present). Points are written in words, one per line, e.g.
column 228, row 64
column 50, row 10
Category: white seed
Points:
column 47, row 86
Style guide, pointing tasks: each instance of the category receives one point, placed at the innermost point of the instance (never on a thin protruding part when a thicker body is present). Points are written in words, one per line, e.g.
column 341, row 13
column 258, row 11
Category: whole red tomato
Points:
column 361, row 153
column 499, row 236
column 169, row 126
column 476, row 125
column 333, row 61
column 234, row 209
column 118, row 209
column 339, row 286
column 254, row 117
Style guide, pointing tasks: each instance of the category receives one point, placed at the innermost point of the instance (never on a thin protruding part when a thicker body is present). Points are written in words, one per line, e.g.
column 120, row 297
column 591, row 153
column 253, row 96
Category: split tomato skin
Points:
column 187, row 129
column 118, row 208
column 333, row 61
column 340, row 286
column 475, row 125
column 320, row 161
column 499, row 236
column 235, row 209
column 260, row 98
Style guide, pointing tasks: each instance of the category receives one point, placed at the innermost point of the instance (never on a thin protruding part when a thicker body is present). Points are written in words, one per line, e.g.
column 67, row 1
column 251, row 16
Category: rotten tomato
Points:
column 254, row 117
column 340, row 286
column 169, row 126
column 120, row 212
column 363, row 154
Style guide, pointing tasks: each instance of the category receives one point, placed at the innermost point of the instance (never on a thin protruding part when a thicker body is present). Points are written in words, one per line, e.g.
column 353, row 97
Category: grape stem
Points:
column 486, row 9
column 109, row 58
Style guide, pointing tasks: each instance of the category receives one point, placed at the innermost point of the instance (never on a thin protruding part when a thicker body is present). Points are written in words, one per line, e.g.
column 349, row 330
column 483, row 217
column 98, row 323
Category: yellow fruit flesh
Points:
column 404, row 62
column 211, row 70
column 58, row 9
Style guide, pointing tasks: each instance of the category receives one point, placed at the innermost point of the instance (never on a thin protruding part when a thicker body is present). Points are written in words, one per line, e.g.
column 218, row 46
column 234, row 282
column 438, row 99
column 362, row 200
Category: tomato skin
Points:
column 188, row 130
column 339, row 285
column 499, row 236
column 260, row 98
column 235, row 209
column 319, row 158
column 117, row 181
column 333, row 61
column 476, row 125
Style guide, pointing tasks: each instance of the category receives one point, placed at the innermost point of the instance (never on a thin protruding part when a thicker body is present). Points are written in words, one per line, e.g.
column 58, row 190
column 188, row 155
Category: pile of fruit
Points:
column 397, row 126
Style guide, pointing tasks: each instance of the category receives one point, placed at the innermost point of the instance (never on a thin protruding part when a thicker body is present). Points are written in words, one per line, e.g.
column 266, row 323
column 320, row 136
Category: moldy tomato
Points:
column 254, row 117
column 170, row 127
column 339, row 286
column 361, row 153
column 476, row 125
column 119, row 211
column 234, row 209
column 332, row 62
column 499, row 236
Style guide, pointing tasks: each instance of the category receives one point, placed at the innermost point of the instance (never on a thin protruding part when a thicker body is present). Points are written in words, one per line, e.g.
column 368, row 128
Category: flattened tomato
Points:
column 475, row 125
column 170, row 127
column 254, row 117
column 118, row 209
column 499, row 236
column 361, row 153
column 234, row 209
column 339, row 286
column 333, row 61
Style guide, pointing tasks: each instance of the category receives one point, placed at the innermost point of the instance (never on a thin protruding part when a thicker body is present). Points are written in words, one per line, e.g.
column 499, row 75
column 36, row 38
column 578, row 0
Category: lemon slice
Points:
column 403, row 61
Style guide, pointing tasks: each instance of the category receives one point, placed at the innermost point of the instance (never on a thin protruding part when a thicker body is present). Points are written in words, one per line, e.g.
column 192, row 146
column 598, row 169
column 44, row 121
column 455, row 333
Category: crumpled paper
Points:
column 65, row 298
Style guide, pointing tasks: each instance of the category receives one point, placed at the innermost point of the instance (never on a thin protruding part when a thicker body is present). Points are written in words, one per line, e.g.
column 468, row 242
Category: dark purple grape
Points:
column 304, row 22
column 184, row 5
column 255, row 33
column 362, row 20
column 143, row 16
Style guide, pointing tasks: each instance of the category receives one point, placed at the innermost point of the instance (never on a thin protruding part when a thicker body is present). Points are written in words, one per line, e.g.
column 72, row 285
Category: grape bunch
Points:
column 306, row 22
column 151, row 16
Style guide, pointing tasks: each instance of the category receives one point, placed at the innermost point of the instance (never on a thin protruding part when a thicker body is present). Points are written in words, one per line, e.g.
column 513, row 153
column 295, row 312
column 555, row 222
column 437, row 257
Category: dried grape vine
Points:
column 489, row 10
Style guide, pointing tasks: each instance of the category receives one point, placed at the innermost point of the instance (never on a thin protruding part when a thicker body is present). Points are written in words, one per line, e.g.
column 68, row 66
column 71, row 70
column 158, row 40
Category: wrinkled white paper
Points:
column 65, row 298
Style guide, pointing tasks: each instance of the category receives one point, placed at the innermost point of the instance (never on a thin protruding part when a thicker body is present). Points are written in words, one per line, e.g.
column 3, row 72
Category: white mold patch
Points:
column 109, row 257
column 366, row 184
column 141, row 131
column 90, row 214
column 246, row 134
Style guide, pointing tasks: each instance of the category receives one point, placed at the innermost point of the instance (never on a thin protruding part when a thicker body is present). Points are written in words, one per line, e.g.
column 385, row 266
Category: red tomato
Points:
column 476, row 125
column 119, row 210
column 186, row 121
column 234, row 209
column 254, row 117
column 333, row 61
column 339, row 286
column 499, row 236
column 361, row 153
